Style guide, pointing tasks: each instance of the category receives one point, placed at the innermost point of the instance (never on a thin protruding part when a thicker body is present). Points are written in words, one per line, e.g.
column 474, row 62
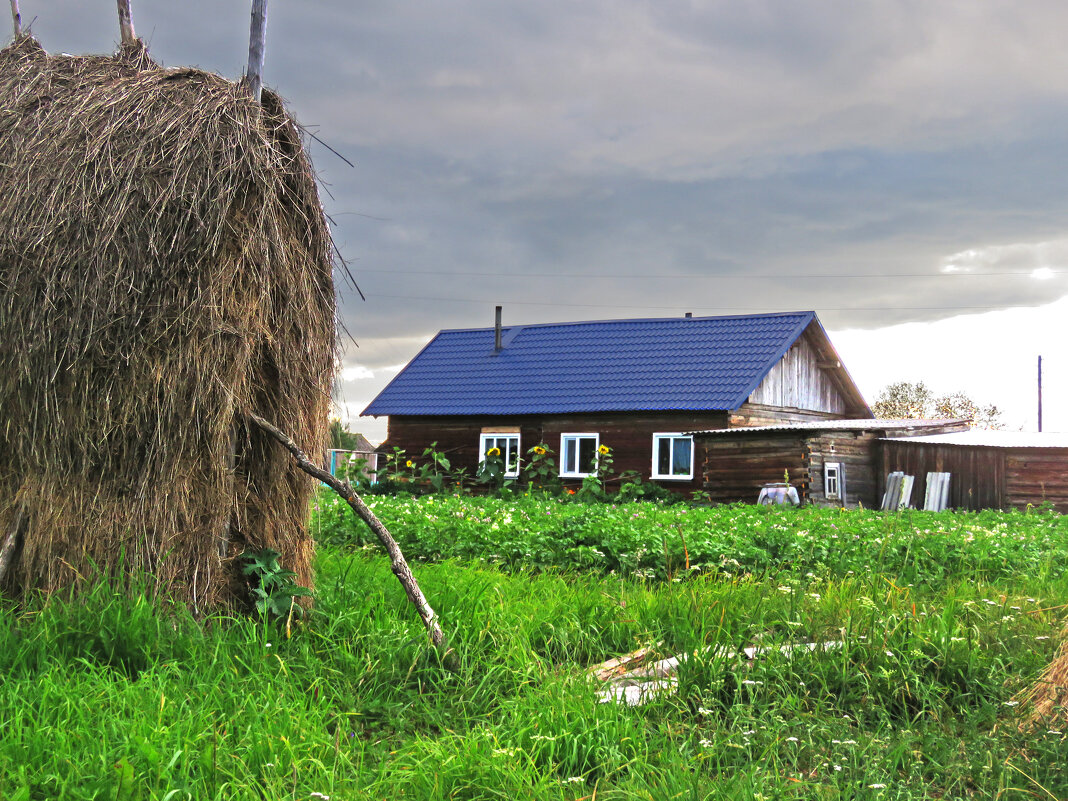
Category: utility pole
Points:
column 1040, row 393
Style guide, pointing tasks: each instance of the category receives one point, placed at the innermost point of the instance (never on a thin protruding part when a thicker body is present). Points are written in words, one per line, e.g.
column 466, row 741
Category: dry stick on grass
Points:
column 396, row 558
column 126, row 27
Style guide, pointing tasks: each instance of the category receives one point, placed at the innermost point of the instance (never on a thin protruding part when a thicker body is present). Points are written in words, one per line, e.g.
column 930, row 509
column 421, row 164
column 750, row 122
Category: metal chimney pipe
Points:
column 497, row 330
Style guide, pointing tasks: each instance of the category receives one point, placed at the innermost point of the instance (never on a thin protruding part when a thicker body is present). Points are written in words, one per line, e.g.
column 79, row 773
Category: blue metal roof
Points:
column 677, row 363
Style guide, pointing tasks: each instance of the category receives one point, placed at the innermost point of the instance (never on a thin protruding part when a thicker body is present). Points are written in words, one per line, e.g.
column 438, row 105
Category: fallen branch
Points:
column 396, row 558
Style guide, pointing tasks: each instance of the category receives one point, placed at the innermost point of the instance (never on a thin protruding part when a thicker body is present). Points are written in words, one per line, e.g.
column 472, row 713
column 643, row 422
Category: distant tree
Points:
column 341, row 437
column 957, row 404
column 905, row 400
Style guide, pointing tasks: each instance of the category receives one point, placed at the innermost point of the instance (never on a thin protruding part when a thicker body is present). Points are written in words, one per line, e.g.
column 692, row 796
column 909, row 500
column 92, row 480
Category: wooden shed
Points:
column 988, row 469
column 829, row 462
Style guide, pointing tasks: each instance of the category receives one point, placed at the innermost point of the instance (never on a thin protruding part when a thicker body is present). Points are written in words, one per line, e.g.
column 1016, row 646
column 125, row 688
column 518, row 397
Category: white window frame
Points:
column 672, row 436
column 832, row 475
column 494, row 436
column 564, row 473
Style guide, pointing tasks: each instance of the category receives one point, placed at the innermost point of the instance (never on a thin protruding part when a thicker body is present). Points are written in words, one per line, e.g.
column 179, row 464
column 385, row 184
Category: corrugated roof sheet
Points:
column 678, row 363
column 997, row 439
column 860, row 424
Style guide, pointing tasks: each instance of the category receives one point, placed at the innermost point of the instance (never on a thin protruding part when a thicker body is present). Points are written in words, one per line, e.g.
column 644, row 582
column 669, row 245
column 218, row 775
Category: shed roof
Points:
column 860, row 424
column 998, row 439
column 656, row 364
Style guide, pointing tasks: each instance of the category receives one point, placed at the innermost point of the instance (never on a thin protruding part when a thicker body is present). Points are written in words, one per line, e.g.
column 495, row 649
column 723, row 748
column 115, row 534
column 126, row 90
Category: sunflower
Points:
column 540, row 451
column 493, row 452
column 604, row 450
column 409, row 463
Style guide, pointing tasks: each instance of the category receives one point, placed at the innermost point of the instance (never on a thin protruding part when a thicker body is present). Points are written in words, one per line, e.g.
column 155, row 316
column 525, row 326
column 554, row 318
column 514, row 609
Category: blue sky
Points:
column 896, row 166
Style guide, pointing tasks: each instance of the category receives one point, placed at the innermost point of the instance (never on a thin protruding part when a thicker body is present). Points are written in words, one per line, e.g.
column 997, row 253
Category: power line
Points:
column 716, row 276
column 691, row 306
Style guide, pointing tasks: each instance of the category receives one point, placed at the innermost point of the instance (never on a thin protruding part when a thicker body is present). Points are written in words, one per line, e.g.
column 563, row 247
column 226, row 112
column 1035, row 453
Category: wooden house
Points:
column 988, row 469
column 635, row 386
column 829, row 462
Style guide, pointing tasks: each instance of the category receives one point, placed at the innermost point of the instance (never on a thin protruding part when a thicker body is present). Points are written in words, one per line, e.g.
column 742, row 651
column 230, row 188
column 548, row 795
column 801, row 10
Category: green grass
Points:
column 113, row 698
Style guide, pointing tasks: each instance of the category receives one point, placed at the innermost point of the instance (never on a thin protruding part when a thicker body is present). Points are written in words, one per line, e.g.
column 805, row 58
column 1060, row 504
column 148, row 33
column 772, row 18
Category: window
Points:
column 832, row 481
column 578, row 455
column 672, row 456
column 508, row 445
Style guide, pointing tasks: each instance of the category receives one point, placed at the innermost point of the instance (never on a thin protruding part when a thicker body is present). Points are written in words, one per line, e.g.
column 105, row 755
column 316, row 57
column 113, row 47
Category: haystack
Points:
column 165, row 269
column 1045, row 703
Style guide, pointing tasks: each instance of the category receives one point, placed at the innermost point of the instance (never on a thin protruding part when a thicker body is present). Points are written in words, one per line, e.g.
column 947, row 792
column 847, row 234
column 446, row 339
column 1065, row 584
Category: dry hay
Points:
column 1045, row 703
column 164, row 269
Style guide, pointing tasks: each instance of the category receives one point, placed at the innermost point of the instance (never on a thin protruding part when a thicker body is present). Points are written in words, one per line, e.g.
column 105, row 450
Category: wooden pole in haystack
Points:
column 396, row 558
column 16, row 18
column 257, row 38
column 126, row 27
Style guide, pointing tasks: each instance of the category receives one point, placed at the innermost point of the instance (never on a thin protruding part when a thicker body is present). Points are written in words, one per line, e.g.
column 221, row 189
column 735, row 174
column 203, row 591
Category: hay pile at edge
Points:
column 164, row 268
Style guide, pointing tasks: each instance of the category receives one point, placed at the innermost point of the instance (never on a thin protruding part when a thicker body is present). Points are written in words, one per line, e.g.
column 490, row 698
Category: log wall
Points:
column 1035, row 476
column 630, row 436
column 735, row 468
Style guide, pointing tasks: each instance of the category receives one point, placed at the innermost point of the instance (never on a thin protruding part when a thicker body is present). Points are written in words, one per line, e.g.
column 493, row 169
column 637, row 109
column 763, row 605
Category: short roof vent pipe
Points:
column 497, row 330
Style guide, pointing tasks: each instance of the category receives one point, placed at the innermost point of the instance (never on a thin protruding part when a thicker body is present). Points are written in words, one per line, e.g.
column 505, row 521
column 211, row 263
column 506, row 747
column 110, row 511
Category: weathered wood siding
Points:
column 978, row 474
column 629, row 435
column 798, row 382
column 734, row 469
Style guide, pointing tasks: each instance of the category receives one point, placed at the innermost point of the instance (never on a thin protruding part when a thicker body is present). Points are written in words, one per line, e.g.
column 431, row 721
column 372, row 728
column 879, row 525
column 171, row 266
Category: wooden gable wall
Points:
column 798, row 382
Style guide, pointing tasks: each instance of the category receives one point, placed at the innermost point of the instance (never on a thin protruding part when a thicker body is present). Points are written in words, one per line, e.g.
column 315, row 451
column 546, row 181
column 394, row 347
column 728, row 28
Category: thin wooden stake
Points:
column 16, row 17
column 7, row 552
column 126, row 27
column 396, row 557
column 257, row 38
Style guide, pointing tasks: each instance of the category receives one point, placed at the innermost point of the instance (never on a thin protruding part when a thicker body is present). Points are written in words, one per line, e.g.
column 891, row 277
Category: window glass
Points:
column 578, row 454
column 508, row 445
column 672, row 456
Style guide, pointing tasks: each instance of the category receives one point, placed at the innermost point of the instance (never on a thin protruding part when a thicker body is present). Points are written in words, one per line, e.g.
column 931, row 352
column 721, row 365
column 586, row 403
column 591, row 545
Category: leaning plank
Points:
column 397, row 562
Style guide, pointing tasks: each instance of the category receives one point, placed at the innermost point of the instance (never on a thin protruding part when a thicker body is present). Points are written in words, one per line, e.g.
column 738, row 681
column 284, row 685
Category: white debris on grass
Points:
column 644, row 683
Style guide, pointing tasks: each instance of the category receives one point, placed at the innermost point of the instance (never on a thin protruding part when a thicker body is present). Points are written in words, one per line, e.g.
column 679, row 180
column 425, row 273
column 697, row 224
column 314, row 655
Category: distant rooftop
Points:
column 998, row 439
column 657, row 364
column 860, row 424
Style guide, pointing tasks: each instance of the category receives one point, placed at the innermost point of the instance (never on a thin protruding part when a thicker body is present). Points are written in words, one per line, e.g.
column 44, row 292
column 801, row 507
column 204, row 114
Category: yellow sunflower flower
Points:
column 540, row 450
column 604, row 450
column 493, row 452
column 409, row 463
